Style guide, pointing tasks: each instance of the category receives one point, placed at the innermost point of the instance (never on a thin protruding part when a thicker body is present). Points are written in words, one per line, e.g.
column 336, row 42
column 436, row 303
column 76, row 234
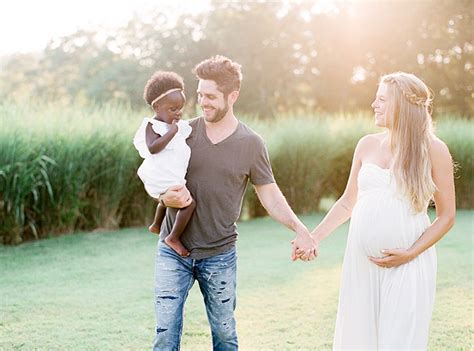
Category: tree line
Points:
column 296, row 57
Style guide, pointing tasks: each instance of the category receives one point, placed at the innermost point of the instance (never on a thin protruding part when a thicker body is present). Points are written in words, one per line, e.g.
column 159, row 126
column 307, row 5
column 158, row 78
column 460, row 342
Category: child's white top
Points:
column 168, row 167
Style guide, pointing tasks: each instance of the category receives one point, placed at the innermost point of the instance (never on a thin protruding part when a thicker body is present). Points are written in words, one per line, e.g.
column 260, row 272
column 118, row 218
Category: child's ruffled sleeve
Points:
column 139, row 140
column 184, row 128
column 160, row 128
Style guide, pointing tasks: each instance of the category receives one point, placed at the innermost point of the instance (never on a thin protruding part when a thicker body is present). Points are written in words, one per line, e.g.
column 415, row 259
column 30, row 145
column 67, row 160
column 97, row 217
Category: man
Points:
column 225, row 155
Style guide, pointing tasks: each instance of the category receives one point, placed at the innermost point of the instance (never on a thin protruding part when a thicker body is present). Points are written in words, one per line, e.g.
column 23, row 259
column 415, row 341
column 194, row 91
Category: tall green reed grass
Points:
column 458, row 134
column 68, row 168
column 65, row 169
column 312, row 155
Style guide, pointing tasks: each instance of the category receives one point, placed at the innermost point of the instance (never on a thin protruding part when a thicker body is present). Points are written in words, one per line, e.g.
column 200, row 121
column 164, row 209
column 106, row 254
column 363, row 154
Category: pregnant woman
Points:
column 389, row 271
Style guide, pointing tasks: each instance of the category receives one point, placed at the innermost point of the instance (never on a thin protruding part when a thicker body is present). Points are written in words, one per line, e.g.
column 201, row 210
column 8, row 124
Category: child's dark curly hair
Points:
column 161, row 82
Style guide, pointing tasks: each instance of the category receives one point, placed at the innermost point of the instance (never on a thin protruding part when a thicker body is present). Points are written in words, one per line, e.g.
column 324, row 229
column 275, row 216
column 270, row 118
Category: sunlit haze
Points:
column 27, row 25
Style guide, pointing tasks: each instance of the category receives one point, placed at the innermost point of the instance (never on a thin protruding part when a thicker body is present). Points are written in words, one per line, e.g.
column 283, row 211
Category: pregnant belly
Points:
column 382, row 222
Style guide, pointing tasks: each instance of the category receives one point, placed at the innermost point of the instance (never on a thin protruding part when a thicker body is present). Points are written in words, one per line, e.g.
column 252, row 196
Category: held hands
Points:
column 304, row 246
column 393, row 258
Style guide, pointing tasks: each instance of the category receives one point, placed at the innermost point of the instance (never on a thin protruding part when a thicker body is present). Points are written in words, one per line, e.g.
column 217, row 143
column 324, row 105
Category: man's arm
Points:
column 277, row 207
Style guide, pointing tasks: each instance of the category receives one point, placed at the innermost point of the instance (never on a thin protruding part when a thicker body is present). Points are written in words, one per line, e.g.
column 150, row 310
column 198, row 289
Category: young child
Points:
column 161, row 141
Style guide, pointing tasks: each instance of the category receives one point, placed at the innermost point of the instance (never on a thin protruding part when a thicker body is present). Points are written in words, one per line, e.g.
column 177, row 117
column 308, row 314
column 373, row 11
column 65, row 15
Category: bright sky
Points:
column 28, row 25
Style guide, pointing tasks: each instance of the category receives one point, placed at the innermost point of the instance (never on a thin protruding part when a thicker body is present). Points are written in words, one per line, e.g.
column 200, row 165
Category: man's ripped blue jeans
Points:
column 174, row 277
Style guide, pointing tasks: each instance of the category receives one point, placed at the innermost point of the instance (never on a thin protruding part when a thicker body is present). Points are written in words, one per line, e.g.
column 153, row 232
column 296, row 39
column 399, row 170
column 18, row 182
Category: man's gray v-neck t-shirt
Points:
column 217, row 177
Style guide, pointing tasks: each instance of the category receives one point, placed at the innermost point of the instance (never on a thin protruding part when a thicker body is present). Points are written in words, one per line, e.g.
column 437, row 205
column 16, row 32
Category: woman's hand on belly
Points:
column 393, row 258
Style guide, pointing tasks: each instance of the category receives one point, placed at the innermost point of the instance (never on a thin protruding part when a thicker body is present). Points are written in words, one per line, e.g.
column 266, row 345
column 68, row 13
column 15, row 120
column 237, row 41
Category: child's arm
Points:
column 156, row 142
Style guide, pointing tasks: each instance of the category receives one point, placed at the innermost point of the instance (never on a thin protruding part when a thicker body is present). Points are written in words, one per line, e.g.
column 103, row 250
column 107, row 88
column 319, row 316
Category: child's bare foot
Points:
column 177, row 246
column 154, row 228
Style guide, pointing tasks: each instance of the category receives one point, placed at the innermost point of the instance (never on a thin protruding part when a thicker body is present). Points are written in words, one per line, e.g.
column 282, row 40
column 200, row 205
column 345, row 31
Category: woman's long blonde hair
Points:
column 408, row 117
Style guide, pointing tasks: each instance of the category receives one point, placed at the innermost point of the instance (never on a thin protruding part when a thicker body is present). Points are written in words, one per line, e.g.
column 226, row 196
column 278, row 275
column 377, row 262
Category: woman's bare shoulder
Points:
column 371, row 139
column 438, row 146
column 439, row 151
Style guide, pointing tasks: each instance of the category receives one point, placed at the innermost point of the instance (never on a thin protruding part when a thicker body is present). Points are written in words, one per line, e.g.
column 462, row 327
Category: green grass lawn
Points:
column 95, row 291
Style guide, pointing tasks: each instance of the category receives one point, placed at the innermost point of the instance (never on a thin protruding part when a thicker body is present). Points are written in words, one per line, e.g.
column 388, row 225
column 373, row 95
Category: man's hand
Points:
column 177, row 196
column 304, row 246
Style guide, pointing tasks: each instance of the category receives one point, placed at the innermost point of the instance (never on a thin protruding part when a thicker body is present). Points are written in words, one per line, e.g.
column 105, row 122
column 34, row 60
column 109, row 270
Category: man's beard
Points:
column 219, row 114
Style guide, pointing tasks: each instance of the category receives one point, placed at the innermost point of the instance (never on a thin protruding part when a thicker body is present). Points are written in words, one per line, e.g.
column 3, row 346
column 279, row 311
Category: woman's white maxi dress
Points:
column 384, row 308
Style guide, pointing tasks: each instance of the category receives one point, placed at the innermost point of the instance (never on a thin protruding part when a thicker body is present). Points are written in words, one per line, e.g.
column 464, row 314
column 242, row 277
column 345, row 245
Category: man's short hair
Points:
column 226, row 73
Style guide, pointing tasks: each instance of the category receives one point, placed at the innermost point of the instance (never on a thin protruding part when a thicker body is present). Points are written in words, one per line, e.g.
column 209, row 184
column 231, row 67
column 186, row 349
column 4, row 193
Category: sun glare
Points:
column 31, row 29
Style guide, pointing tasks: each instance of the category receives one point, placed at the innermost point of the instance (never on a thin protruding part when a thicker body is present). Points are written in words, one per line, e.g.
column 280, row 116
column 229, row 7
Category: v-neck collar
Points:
column 203, row 129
